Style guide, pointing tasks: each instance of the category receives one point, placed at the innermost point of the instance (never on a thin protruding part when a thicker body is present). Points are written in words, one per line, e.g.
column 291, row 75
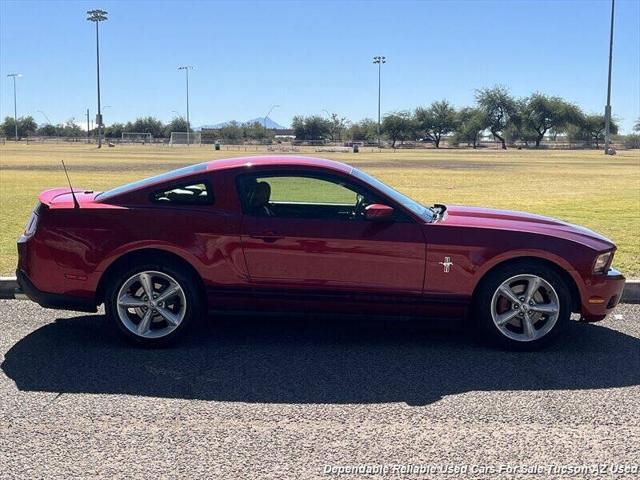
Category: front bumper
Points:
column 601, row 295
column 53, row 300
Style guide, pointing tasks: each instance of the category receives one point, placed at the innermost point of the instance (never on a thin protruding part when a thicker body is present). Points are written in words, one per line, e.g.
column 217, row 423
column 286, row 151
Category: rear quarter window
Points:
column 192, row 193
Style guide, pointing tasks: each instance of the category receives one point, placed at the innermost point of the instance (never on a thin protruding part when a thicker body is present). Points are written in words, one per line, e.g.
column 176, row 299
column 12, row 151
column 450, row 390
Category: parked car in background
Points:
column 306, row 234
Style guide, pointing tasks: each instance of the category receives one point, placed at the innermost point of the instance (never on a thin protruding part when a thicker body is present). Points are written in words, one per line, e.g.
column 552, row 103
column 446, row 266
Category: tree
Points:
column 71, row 129
column 470, row 123
column 436, row 120
column 297, row 125
column 593, row 126
column 365, row 130
column 518, row 127
column 177, row 124
column 337, row 127
column 231, row 132
column 147, row 125
column 311, row 128
column 114, row 130
column 255, row 131
column 398, row 126
column 498, row 106
column 26, row 126
column 542, row 113
column 636, row 126
column 48, row 130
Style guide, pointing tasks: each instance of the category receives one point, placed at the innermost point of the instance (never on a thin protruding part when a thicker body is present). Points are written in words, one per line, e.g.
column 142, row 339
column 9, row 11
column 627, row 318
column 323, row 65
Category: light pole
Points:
column 45, row 116
column 15, row 103
column 607, row 109
column 98, row 16
column 379, row 61
column 186, row 68
column 267, row 115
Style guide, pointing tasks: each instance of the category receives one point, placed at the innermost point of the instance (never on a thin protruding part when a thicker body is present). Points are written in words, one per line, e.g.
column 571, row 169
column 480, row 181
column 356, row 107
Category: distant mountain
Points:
column 270, row 123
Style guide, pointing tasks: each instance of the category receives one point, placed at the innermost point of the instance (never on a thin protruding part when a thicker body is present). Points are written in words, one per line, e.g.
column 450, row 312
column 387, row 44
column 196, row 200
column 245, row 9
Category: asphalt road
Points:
column 250, row 397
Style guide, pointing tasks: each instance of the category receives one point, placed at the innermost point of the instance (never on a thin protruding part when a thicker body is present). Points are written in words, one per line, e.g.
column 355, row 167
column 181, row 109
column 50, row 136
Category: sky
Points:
column 310, row 56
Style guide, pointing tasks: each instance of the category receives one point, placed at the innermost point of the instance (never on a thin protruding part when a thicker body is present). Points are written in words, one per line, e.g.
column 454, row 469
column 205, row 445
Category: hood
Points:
column 459, row 215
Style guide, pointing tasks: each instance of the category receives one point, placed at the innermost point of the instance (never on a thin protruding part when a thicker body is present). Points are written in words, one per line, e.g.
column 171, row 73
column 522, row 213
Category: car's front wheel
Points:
column 152, row 304
column 523, row 306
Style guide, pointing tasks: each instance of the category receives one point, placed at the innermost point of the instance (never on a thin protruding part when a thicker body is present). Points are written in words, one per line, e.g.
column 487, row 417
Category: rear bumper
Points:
column 53, row 300
column 602, row 295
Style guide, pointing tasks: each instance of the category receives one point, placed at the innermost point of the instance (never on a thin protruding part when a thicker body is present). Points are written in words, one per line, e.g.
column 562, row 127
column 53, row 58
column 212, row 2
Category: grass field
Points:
column 584, row 187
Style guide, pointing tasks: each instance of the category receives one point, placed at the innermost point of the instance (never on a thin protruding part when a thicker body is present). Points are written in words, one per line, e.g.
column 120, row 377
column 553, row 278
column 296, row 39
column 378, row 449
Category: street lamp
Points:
column 186, row 68
column 379, row 61
column 45, row 116
column 15, row 104
column 267, row 115
column 607, row 109
column 98, row 16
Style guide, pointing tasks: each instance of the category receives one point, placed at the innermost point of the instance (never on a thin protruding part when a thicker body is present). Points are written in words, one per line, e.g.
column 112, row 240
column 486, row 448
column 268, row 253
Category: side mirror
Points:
column 378, row 212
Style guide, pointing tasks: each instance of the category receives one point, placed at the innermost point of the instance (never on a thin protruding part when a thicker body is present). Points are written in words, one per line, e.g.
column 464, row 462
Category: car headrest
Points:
column 260, row 195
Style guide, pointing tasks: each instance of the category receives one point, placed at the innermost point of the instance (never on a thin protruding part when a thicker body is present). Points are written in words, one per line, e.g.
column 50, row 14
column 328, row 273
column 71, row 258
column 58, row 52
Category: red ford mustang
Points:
column 305, row 234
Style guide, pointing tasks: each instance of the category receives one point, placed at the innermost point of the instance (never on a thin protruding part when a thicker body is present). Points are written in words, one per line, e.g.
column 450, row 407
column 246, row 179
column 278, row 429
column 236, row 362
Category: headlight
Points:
column 601, row 262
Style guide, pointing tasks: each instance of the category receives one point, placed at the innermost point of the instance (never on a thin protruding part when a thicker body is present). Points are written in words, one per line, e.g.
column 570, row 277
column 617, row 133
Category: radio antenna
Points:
column 73, row 195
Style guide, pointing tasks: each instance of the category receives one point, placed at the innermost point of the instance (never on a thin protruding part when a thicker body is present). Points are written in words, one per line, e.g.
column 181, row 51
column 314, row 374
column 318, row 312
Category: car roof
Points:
column 278, row 161
column 224, row 164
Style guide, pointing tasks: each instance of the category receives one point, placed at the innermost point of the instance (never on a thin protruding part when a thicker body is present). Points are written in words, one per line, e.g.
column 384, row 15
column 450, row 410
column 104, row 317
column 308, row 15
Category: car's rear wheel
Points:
column 523, row 306
column 153, row 304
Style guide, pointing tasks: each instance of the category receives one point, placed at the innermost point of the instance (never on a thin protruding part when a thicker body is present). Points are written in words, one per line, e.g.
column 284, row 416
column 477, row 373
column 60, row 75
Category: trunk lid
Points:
column 62, row 198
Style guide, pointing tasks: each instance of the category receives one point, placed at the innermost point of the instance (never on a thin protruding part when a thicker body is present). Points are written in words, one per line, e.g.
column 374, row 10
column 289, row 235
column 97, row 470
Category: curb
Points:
column 9, row 290
column 631, row 293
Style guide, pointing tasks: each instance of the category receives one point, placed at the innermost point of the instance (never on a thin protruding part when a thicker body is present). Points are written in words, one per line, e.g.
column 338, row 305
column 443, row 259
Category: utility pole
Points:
column 607, row 109
column 186, row 68
column 379, row 61
column 88, row 129
column 15, row 103
column 98, row 16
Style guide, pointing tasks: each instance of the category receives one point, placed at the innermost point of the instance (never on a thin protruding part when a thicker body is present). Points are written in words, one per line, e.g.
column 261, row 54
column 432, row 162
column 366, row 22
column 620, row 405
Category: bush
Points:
column 631, row 141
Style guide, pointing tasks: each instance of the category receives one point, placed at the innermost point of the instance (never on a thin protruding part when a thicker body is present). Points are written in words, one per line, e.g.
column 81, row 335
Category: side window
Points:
column 198, row 193
column 300, row 196
column 308, row 190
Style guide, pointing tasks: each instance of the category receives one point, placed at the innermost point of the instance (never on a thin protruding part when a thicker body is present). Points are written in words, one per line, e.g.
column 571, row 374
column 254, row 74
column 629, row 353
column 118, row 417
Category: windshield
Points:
column 199, row 167
column 403, row 200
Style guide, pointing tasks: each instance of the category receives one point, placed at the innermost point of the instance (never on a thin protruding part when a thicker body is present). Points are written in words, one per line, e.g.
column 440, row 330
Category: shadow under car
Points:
column 289, row 359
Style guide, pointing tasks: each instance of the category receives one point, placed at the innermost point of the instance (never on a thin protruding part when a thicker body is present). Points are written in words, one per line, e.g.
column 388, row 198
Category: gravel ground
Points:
column 245, row 397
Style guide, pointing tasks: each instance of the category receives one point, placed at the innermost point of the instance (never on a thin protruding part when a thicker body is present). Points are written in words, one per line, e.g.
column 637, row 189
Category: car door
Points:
column 308, row 234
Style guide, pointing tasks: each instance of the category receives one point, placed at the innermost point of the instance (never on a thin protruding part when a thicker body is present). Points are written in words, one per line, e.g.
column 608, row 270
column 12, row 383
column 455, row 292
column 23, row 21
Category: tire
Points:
column 506, row 321
column 148, row 321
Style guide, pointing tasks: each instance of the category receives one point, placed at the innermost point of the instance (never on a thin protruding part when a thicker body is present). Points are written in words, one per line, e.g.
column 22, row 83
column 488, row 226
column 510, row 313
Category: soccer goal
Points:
column 133, row 137
column 180, row 138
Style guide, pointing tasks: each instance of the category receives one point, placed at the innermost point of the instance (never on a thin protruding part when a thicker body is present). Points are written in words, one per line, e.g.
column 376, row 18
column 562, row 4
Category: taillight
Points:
column 32, row 225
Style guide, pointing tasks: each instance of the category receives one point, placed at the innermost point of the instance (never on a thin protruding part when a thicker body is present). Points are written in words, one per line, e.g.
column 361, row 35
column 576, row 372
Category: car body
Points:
column 299, row 246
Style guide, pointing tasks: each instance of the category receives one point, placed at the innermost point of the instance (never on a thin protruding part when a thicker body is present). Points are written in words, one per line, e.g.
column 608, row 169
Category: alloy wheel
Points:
column 151, row 304
column 525, row 307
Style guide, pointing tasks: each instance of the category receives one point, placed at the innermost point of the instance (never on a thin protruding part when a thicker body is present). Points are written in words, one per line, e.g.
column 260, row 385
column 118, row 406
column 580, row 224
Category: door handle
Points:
column 268, row 236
